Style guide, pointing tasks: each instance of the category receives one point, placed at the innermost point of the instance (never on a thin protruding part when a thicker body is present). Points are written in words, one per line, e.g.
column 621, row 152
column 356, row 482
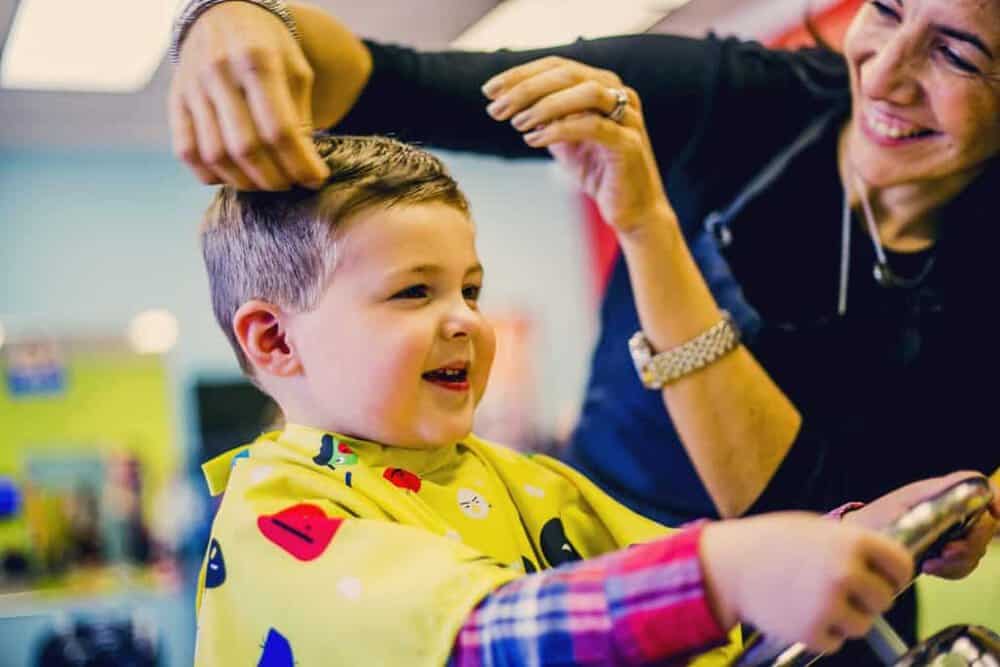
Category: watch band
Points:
column 657, row 370
column 194, row 8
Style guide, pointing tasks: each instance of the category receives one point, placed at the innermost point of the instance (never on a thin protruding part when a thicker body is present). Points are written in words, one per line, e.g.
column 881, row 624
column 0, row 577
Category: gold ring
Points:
column 621, row 101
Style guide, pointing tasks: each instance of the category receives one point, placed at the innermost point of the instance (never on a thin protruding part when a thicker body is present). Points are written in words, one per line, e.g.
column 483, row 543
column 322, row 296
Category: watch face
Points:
column 639, row 347
column 642, row 354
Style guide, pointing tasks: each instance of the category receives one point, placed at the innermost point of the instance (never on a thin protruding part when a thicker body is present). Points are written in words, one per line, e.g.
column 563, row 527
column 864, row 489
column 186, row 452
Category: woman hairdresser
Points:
column 839, row 206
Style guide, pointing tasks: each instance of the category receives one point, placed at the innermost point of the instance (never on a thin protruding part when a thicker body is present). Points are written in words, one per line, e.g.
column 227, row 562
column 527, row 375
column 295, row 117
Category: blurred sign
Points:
column 34, row 368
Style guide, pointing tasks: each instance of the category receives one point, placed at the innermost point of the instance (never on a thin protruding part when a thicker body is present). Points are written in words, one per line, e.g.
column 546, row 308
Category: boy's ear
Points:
column 261, row 332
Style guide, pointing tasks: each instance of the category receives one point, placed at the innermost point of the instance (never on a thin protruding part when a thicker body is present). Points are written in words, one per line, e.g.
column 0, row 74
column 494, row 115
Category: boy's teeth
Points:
column 448, row 373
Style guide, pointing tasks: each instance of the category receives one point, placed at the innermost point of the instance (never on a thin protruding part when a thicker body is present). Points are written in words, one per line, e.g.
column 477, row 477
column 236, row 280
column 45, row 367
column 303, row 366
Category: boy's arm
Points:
column 795, row 576
column 643, row 605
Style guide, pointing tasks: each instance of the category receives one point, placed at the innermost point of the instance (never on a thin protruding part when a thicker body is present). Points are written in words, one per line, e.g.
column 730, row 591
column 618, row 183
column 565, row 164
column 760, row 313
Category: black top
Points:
column 888, row 393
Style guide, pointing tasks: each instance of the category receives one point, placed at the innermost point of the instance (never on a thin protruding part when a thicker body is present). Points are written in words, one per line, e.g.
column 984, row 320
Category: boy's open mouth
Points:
column 454, row 377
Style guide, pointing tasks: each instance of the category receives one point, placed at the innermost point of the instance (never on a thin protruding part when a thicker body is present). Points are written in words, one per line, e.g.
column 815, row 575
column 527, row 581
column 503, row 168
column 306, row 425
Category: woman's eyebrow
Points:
column 962, row 35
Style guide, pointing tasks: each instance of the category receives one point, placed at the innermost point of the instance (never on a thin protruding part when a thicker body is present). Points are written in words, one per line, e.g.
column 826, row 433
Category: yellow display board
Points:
column 112, row 401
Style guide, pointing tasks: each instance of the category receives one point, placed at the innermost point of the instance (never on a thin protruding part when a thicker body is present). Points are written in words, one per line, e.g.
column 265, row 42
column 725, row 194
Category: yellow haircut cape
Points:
column 331, row 550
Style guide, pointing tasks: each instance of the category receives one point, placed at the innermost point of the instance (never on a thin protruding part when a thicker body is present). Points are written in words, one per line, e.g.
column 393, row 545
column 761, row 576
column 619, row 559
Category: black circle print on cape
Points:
column 555, row 546
column 529, row 567
column 325, row 451
column 215, row 571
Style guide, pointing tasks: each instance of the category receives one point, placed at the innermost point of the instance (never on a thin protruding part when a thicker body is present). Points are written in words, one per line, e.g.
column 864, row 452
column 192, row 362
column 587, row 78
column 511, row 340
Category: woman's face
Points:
column 925, row 83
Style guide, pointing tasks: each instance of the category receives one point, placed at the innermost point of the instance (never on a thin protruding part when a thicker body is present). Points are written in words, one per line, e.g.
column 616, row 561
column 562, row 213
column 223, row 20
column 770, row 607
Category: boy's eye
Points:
column 412, row 292
column 471, row 292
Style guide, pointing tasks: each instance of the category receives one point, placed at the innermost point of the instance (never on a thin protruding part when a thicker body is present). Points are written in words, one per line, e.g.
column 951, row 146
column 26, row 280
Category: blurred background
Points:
column 115, row 383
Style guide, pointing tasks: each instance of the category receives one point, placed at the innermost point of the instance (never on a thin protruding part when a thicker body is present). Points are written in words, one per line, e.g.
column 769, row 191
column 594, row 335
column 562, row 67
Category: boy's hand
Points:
column 240, row 102
column 801, row 578
column 959, row 557
column 563, row 105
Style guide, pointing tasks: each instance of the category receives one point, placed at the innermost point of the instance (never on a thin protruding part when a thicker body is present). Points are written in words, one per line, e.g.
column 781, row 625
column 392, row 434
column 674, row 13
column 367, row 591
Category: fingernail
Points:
column 491, row 87
column 533, row 137
column 522, row 120
column 496, row 108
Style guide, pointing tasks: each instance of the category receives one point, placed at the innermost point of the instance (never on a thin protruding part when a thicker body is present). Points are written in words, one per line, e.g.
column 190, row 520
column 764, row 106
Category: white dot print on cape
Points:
column 472, row 504
column 350, row 588
column 260, row 473
column 534, row 491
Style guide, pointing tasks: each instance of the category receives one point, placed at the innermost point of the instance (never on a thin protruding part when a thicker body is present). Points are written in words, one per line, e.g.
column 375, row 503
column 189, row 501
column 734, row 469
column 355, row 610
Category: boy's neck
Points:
column 300, row 410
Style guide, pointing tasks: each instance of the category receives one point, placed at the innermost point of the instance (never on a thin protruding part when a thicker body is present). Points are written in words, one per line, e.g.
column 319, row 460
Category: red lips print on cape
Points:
column 302, row 530
column 404, row 479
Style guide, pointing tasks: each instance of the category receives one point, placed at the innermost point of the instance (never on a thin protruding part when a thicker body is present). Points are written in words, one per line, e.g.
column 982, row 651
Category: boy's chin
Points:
column 438, row 435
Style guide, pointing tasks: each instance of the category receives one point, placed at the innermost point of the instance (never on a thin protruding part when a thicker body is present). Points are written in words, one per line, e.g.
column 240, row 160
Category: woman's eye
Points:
column 471, row 292
column 885, row 10
column 957, row 61
column 412, row 292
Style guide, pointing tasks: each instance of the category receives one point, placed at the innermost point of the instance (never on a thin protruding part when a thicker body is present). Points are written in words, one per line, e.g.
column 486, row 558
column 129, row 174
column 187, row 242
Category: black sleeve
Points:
column 434, row 97
column 808, row 478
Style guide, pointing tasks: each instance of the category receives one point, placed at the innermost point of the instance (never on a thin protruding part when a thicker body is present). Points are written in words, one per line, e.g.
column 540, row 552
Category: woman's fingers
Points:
column 497, row 85
column 184, row 140
column 587, row 127
column 283, row 123
column 585, row 96
column 240, row 108
column 243, row 145
column 211, row 145
column 521, row 87
column 960, row 557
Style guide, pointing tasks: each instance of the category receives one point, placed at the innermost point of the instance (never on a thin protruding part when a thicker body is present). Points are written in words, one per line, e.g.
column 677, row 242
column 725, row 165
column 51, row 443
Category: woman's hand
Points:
column 798, row 578
column 240, row 104
column 563, row 105
column 959, row 557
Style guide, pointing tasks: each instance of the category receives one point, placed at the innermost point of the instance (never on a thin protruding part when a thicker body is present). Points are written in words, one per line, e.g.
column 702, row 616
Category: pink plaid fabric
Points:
column 643, row 605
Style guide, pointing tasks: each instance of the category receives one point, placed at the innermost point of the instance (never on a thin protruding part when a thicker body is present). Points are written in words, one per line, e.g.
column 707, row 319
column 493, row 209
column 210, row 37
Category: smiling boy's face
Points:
column 396, row 350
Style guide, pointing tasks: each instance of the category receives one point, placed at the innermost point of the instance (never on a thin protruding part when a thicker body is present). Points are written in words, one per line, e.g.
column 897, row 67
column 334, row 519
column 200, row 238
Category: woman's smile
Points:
column 890, row 130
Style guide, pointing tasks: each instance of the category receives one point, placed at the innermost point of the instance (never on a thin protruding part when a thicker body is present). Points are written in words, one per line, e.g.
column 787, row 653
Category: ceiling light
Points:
column 100, row 46
column 527, row 24
column 153, row 332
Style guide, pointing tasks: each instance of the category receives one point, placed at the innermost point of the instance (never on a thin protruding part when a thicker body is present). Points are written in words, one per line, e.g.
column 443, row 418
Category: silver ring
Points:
column 621, row 101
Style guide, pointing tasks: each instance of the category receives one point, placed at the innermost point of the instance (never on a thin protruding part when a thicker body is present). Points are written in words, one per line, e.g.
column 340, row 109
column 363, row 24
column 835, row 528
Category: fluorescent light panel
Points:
column 528, row 24
column 92, row 45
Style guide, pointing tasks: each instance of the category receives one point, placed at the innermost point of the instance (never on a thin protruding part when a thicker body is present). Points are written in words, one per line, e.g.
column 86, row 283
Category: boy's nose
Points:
column 459, row 322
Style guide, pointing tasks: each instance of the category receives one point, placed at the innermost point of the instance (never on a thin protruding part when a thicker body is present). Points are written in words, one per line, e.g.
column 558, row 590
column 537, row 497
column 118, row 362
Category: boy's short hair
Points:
column 280, row 247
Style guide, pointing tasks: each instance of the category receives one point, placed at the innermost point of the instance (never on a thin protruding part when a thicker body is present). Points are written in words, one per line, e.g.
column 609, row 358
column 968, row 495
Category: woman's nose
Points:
column 889, row 73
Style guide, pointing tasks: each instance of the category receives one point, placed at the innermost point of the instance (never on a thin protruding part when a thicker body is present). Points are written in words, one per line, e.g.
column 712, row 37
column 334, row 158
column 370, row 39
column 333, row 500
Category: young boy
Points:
column 374, row 529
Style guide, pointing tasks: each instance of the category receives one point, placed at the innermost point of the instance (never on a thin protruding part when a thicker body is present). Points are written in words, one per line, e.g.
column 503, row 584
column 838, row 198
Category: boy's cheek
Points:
column 485, row 353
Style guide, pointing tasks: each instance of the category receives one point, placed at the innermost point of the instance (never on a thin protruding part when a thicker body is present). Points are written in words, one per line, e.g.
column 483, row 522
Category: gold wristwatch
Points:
column 659, row 369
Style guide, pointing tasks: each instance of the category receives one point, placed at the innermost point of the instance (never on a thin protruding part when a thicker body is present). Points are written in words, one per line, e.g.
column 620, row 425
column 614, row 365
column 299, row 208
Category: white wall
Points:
column 88, row 239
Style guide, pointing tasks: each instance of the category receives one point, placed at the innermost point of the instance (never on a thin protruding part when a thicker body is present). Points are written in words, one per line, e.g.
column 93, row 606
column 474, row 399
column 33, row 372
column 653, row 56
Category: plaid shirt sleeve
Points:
column 641, row 605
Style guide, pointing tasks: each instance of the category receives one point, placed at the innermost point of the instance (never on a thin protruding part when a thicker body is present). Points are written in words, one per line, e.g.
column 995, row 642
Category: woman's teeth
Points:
column 893, row 130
